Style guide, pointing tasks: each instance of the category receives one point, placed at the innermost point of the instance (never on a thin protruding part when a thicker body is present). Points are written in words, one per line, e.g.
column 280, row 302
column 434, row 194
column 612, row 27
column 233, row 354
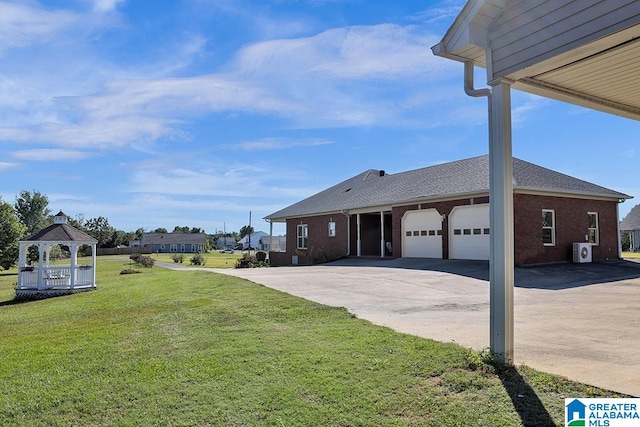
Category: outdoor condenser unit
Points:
column 581, row 252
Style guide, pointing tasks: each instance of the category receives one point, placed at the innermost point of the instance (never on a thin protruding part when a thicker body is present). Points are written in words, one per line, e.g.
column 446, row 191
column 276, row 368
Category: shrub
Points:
column 143, row 260
column 261, row 256
column 129, row 271
column 198, row 260
column 178, row 258
column 135, row 257
column 248, row 261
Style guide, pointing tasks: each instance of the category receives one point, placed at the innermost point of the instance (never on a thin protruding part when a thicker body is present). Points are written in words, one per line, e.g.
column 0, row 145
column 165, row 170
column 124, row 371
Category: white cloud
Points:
column 105, row 5
column 278, row 143
column 25, row 24
column 49, row 154
column 6, row 166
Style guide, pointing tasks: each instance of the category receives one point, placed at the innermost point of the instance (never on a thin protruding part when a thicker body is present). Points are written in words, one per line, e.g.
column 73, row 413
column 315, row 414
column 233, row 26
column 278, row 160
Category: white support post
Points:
column 359, row 243
column 74, row 262
column 501, row 263
column 40, row 265
column 382, row 234
column 93, row 262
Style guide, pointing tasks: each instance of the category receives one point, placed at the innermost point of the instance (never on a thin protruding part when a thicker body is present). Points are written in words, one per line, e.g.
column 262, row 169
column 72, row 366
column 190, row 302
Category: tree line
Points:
column 30, row 213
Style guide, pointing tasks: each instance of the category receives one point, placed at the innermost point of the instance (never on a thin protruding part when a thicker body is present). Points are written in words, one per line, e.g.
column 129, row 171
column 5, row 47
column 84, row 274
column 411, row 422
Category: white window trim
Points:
column 553, row 227
column 332, row 229
column 302, row 240
column 173, row 247
column 597, row 229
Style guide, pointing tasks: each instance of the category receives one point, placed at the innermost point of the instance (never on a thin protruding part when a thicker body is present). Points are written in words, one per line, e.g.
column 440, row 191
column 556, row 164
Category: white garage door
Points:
column 422, row 234
column 469, row 232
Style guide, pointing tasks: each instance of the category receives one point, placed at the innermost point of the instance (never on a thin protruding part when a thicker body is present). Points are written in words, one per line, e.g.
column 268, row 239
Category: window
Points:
column 332, row 229
column 182, row 248
column 303, row 236
column 592, row 232
column 548, row 227
column 162, row 246
column 194, row 248
column 173, row 247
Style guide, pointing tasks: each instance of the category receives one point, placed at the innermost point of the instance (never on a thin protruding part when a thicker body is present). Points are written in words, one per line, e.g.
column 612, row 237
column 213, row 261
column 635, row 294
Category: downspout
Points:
column 468, row 84
column 348, row 231
column 618, row 229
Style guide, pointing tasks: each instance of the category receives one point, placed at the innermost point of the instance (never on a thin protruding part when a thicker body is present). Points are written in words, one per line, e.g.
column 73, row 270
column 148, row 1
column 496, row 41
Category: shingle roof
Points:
column 632, row 220
column 173, row 238
column 459, row 178
column 60, row 233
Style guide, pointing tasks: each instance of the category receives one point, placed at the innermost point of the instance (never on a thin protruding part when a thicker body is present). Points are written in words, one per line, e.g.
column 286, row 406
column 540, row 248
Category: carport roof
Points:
column 455, row 179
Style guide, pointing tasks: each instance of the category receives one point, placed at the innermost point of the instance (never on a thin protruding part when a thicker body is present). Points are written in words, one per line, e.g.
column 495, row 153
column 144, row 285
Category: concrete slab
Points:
column 581, row 321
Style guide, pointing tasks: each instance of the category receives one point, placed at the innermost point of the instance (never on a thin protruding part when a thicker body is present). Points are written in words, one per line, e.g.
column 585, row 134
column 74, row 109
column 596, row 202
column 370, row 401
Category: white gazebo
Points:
column 46, row 280
column 585, row 52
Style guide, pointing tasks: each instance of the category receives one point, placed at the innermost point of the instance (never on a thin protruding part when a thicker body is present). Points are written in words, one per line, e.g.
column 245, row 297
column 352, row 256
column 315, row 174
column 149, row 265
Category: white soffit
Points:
column 607, row 80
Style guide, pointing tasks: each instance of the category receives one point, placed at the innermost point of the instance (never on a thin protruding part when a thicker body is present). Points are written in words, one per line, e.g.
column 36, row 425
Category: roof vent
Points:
column 381, row 173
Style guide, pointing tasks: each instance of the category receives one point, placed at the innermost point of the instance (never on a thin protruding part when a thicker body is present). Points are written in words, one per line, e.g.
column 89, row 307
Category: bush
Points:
column 198, row 260
column 261, row 256
column 248, row 261
column 129, row 271
column 178, row 258
column 143, row 260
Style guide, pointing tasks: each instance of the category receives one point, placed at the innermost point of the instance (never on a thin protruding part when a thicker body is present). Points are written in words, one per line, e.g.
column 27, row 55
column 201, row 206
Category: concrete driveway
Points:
column 581, row 321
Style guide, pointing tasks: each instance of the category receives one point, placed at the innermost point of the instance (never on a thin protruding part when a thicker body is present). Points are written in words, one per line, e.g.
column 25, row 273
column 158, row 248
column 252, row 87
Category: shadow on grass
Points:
column 525, row 400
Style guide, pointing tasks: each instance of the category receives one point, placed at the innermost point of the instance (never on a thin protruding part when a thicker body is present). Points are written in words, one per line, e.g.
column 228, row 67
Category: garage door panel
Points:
column 422, row 234
column 469, row 237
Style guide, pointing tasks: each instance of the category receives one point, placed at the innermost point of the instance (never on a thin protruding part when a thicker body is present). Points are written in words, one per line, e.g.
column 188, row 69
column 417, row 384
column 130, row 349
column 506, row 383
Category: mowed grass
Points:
column 631, row 255
column 193, row 348
column 213, row 259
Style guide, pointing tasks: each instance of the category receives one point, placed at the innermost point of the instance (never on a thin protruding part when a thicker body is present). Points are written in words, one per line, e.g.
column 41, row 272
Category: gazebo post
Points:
column 93, row 261
column 40, row 266
column 74, row 260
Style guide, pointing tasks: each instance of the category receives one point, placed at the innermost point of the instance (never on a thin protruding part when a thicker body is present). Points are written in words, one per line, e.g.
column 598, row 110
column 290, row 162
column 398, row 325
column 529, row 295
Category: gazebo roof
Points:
column 60, row 232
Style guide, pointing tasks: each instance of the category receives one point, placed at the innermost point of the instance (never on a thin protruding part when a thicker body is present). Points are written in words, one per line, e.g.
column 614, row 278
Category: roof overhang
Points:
column 599, row 72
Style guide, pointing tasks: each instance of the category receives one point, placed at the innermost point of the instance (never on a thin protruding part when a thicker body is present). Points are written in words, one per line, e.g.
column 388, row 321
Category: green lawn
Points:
column 193, row 348
column 631, row 255
column 213, row 259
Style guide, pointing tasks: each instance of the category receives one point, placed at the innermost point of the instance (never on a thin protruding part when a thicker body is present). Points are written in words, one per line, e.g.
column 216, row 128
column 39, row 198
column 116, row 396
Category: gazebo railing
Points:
column 58, row 277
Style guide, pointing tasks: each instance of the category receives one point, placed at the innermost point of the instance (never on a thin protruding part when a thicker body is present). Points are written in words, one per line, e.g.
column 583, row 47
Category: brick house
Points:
column 442, row 211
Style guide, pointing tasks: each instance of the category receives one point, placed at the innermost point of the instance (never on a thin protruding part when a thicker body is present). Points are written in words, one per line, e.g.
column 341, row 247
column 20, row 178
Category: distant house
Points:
column 225, row 242
column 174, row 242
column 631, row 225
column 253, row 241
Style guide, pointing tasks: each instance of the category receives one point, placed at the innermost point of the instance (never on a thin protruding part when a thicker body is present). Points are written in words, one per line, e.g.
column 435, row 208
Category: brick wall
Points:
column 320, row 244
column 571, row 226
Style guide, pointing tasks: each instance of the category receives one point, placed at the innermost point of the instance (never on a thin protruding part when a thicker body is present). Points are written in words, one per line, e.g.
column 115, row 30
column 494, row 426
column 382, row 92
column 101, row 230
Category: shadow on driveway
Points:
column 550, row 277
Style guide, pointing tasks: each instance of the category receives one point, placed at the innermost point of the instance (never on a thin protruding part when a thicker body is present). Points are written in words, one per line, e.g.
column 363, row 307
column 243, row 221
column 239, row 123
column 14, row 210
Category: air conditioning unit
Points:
column 581, row 252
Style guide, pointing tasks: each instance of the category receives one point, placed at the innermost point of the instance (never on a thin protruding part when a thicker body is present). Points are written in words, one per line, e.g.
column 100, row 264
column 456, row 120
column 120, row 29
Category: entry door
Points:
column 469, row 232
column 422, row 234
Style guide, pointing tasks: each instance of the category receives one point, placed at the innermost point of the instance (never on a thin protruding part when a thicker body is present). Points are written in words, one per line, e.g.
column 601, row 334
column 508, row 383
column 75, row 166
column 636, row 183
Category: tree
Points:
column 11, row 230
column 178, row 229
column 32, row 210
column 99, row 229
column 160, row 230
column 245, row 230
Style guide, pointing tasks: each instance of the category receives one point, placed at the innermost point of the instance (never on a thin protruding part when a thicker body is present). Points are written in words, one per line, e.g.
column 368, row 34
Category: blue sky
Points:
column 195, row 112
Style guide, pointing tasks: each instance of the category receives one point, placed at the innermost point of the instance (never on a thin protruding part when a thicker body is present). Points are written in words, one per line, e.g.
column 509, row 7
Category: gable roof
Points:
column 632, row 220
column 460, row 178
column 173, row 238
column 60, row 233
